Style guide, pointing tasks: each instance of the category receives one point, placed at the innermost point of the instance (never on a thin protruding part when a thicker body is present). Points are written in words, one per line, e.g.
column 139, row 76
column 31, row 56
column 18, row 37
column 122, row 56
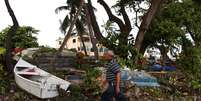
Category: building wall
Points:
column 59, row 41
column 74, row 42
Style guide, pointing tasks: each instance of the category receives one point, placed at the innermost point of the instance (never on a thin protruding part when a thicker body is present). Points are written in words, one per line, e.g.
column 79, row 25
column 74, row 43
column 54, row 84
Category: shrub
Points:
column 43, row 50
column 90, row 84
column 127, row 63
column 190, row 64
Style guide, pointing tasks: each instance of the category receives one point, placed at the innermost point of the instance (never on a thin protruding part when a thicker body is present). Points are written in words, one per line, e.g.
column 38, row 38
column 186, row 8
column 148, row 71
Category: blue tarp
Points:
column 169, row 68
column 156, row 67
column 139, row 78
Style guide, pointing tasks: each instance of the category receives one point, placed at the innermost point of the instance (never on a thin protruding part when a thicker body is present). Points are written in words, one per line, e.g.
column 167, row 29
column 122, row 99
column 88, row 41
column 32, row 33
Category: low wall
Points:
column 46, row 61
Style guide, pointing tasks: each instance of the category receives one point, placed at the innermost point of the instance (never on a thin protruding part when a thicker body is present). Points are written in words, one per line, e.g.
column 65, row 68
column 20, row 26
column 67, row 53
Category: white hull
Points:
column 36, row 81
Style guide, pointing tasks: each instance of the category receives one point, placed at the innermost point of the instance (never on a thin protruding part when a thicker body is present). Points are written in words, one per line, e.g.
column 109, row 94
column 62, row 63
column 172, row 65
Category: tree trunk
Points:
column 164, row 50
column 80, row 33
column 146, row 22
column 94, row 23
column 124, row 26
column 71, row 27
column 9, row 35
column 143, row 48
column 93, row 40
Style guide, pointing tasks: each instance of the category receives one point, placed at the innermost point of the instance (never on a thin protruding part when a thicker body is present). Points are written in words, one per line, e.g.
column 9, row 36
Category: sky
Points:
column 40, row 14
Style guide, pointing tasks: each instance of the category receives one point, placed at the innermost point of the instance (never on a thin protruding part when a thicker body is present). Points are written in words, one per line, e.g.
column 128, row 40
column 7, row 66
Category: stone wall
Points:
column 46, row 61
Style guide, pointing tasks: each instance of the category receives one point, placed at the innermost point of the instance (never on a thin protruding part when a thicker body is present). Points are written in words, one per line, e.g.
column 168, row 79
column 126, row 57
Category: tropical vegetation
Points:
column 25, row 37
column 171, row 26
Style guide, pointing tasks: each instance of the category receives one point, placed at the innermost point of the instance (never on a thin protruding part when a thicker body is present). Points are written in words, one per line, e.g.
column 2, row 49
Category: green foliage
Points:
column 75, row 93
column 91, row 74
column 196, row 84
column 24, row 38
column 1, row 72
column 114, row 41
column 173, row 22
column 71, row 6
column 2, row 50
column 153, row 92
column 44, row 50
column 73, row 50
column 166, row 27
column 190, row 64
column 90, row 84
column 129, row 63
column 3, row 81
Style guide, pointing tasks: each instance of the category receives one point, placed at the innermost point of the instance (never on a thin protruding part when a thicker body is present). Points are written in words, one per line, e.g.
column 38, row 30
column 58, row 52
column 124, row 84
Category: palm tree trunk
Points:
column 94, row 23
column 146, row 22
column 84, row 47
column 9, row 35
column 71, row 27
column 91, row 32
column 81, row 37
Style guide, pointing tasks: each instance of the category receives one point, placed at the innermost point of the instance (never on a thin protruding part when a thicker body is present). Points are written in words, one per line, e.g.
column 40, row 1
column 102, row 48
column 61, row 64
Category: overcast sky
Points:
column 40, row 14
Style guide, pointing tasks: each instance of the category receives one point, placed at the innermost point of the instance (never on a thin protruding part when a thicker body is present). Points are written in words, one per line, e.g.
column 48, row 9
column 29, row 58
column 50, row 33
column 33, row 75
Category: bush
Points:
column 3, row 81
column 190, row 64
column 129, row 63
column 90, row 84
column 2, row 50
column 44, row 50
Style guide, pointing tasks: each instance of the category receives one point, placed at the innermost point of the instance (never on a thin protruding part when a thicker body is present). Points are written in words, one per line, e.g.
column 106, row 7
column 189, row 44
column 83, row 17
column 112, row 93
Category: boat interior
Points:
column 32, row 74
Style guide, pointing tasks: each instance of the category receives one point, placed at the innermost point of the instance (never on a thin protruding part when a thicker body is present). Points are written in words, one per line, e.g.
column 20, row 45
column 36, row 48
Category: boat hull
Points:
column 37, row 81
column 37, row 89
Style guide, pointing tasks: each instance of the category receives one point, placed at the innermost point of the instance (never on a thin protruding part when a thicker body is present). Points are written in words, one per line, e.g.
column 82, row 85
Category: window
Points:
column 60, row 42
column 101, row 49
column 92, row 50
column 74, row 40
column 87, row 48
column 73, row 34
column 105, row 49
column 82, row 48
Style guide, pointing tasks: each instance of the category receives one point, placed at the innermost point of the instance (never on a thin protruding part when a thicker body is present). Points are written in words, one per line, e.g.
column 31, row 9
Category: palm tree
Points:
column 71, row 6
column 9, row 35
column 94, row 22
column 93, row 41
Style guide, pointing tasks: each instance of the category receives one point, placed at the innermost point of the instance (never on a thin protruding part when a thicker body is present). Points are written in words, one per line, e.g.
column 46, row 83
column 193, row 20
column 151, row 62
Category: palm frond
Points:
column 80, row 26
column 73, row 3
column 90, row 3
column 57, row 10
column 64, row 24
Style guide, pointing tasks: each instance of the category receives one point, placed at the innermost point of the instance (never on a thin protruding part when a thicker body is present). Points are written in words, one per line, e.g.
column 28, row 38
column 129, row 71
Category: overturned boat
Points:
column 37, row 81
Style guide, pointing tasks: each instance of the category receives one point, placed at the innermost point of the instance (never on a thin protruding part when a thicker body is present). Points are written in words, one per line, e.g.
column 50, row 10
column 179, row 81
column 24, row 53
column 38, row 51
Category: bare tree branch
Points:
column 136, row 17
column 126, row 18
column 111, row 16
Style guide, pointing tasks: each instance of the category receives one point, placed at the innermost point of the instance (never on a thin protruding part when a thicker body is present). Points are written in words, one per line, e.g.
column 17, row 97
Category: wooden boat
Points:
column 37, row 81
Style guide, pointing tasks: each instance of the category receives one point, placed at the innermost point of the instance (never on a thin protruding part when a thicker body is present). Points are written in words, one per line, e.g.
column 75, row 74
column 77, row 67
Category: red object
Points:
column 17, row 50
column 30, row 70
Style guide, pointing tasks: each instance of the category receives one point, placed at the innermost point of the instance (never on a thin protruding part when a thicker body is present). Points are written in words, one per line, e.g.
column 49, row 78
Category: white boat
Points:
column 37, row 81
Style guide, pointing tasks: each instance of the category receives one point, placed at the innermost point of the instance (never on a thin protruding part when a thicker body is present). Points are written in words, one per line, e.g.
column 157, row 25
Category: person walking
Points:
column 113, row 78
